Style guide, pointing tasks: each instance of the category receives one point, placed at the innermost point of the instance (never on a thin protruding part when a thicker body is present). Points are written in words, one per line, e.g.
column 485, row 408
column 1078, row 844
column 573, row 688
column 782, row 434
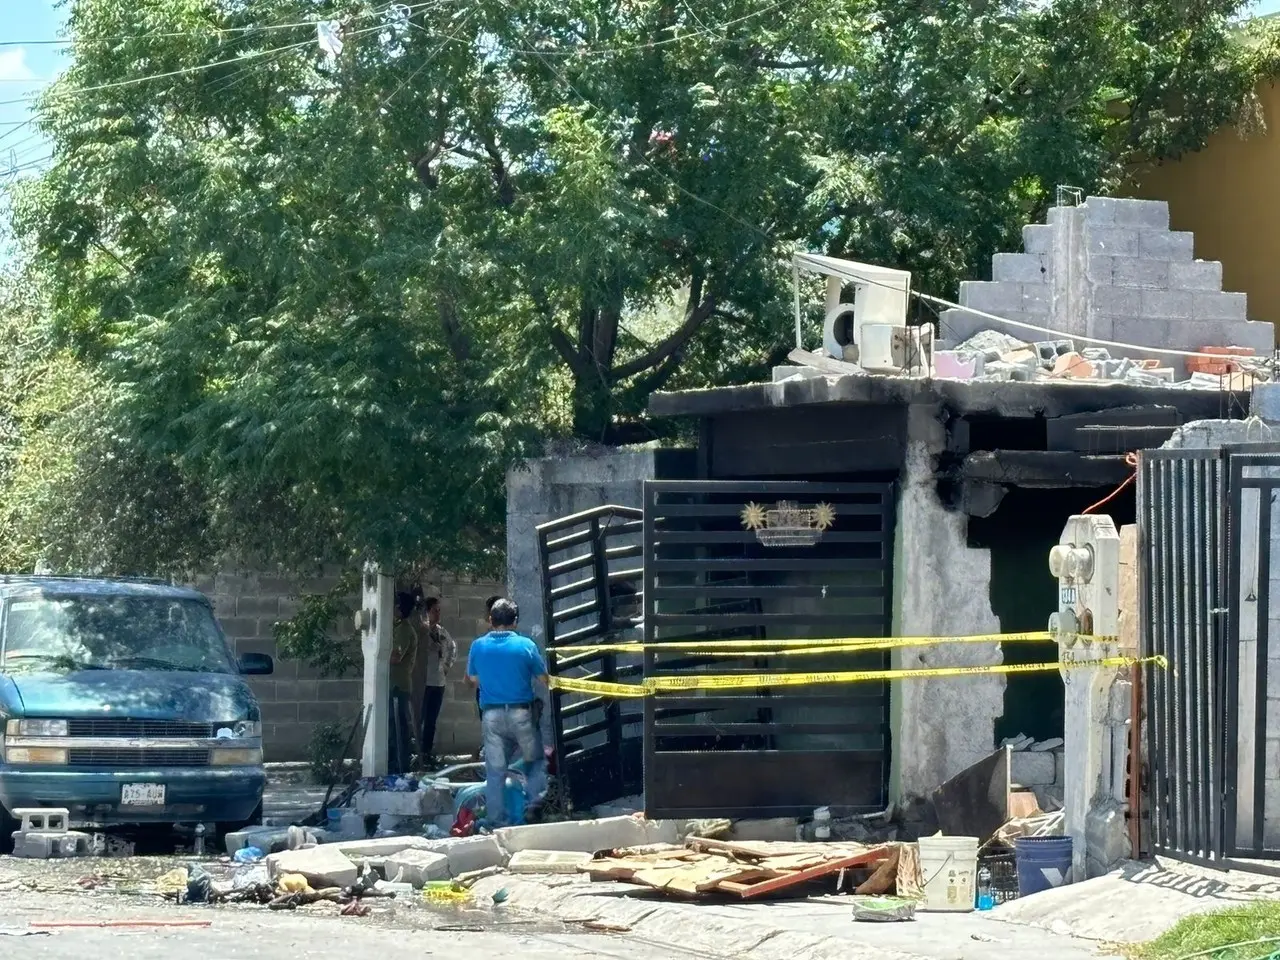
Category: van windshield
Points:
column 113, row 633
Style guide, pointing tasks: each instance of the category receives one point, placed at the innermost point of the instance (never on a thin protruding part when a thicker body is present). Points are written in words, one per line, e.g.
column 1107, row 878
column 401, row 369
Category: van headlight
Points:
column 36, row 728
column 247, row 728
column 236, row 756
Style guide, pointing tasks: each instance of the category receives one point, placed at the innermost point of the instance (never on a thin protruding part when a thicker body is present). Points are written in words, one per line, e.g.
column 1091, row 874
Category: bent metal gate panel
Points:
column 765, row 561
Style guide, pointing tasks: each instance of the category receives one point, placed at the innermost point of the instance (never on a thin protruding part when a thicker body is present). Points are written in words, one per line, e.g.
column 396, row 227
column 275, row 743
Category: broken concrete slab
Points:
column 466, row 854
column 381, row 847
column 416, row 867
column 588, row 836
column 323, row 866
column 429, row 802
column 548, row 861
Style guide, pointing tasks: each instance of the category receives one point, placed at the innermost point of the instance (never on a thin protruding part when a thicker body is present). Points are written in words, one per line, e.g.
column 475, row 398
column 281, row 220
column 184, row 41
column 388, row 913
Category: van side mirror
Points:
column 256, row 665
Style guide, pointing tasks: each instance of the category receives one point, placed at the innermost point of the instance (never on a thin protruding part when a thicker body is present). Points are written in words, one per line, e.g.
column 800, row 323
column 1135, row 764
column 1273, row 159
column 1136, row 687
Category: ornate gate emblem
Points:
column 786, row 524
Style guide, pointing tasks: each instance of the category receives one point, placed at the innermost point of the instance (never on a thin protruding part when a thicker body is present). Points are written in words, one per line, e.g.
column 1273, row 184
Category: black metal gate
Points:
column 733, row 559
column 1206, row 524
column 1181, row 524
column 591, row 579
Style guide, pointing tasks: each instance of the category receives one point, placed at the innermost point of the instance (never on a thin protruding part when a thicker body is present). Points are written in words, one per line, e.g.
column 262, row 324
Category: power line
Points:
column 257, row 28
column 196, row 68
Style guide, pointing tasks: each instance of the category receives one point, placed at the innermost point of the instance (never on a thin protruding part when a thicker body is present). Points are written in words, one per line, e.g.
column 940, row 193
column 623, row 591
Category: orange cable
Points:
column 1132, row 460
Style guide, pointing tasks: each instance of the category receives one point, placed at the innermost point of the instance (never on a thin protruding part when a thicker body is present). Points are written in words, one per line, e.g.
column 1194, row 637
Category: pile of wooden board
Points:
column 759, row 868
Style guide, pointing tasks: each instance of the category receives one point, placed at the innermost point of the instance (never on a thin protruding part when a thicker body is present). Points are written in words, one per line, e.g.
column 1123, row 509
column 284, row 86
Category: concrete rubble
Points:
column 322, row 866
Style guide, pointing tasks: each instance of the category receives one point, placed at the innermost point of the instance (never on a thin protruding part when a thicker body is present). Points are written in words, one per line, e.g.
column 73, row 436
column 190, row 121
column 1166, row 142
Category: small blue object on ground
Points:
column 247, row 855
column 1043, row 863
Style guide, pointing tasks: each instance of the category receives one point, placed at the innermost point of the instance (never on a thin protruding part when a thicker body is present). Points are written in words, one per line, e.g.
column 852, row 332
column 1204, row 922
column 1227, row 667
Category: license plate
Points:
column 142, row 795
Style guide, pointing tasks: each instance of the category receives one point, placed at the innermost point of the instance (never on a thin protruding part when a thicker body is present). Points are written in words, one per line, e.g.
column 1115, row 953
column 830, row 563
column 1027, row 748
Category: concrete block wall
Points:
column 296, row 699
column 548, row 488
column 1111, row 269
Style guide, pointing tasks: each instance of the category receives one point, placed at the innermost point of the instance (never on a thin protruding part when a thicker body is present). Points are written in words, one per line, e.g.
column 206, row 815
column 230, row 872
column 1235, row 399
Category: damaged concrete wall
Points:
column 1112, row 269
column 941, row 588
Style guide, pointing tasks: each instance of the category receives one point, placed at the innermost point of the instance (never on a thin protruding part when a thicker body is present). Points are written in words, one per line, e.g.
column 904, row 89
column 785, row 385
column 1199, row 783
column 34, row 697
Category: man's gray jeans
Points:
column 505, row 730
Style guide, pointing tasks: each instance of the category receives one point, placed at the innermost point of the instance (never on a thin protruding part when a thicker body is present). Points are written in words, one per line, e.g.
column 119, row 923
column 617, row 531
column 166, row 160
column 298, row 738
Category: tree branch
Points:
column 697, row 311
column 564, row 346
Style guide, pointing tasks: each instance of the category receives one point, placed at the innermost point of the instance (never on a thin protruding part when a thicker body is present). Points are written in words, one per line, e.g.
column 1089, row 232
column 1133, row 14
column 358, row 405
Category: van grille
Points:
column 125, row 727
column 122, row 759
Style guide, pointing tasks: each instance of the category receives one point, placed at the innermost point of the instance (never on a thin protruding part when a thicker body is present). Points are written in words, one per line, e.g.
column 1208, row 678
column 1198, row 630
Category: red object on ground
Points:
column 465, row 825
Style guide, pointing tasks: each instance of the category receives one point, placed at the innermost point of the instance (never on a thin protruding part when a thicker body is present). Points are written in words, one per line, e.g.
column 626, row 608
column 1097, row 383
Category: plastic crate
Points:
column 1004, row 873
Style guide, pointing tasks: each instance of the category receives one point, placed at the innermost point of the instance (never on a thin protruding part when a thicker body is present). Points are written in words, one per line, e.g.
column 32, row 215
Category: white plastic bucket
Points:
column 949, row 869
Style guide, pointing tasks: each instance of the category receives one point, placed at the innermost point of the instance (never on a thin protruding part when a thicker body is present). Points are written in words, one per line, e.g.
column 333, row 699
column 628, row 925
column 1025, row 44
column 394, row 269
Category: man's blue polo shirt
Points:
column 505, row 663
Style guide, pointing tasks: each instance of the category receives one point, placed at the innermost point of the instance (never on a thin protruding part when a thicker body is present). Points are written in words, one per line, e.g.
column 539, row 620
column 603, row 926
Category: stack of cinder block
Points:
column 1110, row 269
column 1038, row 766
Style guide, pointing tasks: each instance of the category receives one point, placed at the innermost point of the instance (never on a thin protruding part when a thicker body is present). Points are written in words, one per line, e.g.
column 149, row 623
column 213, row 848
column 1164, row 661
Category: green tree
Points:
column 327, row 301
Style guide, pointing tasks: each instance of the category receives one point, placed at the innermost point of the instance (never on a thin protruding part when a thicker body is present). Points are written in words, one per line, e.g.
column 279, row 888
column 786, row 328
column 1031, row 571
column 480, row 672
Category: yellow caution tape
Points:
column 652, row 685
column 783, row 648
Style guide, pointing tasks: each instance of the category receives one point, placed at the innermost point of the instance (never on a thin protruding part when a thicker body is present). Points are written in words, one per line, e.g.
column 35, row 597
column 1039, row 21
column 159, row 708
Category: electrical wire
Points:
column 1132, row 460
column 256, row 28
column 196, row 68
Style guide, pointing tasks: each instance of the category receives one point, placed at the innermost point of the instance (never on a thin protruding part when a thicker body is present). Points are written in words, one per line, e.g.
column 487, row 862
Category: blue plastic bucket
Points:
column 1043, row 863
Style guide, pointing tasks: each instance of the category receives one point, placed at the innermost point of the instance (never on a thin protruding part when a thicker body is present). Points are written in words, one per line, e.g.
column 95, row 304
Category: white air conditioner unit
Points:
column 896, row 349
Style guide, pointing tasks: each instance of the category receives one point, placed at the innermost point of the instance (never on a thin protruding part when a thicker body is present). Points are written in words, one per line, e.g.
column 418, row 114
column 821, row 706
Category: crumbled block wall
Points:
column 1111, row 269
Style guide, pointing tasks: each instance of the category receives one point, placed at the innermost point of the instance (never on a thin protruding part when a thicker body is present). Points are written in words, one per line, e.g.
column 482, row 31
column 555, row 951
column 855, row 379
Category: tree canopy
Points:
column 309, row 306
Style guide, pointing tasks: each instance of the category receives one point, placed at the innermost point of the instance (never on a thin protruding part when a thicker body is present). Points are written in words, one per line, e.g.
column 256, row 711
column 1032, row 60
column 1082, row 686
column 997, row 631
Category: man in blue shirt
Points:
column 505, row 665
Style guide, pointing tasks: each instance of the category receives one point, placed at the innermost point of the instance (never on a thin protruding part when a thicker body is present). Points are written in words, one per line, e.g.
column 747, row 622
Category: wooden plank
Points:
column 804, row 876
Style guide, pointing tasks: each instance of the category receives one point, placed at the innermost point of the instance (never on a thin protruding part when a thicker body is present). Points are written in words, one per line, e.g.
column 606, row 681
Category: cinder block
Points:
column 1149, row 214
column 1019, row 267
column 416, row 867
column 1137, row 272
column 548, row 861
column 1111, row 241
column 47, row 845
column 42, row 819
column 1032, row 769
column 1117, row 300
column 587, row 836
column 257, row 607
column 323, row 866
column 1196, row 275
column 1099, row 210
column 991, row 296
column 1037, row 238
column 1037, row 299
column 1167, row 305
column 1173, row 245
column 1220, row 306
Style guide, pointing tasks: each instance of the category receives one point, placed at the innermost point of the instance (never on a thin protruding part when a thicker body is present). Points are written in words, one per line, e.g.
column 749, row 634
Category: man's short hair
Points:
column 490, row 601
column 405, row 602
column 504, row 613
column 430, row 603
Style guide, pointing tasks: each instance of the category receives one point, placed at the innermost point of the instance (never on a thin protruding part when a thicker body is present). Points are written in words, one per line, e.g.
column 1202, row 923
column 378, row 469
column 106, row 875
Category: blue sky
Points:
column 25, row 61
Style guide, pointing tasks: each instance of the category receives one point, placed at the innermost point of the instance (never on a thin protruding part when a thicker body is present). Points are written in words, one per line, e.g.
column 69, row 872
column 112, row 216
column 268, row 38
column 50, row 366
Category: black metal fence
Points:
column 1206, row 524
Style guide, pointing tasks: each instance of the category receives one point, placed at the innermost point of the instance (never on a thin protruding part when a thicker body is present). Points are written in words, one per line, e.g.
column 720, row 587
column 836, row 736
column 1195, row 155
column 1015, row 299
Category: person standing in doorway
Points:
column 404, row 647
column 441, row 652
column 506, row 666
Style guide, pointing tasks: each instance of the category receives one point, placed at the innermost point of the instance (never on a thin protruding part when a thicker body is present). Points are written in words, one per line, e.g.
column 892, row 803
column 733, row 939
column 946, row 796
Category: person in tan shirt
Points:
column 441, row 651
column 404, row 648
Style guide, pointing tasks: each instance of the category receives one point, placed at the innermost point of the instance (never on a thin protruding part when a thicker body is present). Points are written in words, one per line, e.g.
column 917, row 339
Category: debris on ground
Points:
column 883, row 909
column 746, row 868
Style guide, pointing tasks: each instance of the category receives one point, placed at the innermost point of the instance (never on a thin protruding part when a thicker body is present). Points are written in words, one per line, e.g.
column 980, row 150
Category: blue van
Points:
column 121, row 700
